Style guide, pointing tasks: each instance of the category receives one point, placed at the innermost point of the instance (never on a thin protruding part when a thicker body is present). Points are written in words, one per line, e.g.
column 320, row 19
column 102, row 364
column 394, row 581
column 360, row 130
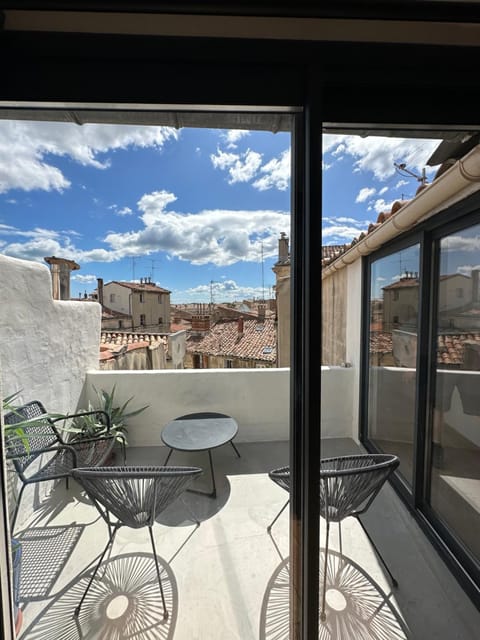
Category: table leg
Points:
column 235, row 449
column 214, row 492
column 167, row 458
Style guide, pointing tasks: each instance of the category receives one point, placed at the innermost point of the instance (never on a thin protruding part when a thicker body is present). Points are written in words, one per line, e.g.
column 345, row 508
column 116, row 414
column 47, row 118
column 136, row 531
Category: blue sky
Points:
column 185, row 207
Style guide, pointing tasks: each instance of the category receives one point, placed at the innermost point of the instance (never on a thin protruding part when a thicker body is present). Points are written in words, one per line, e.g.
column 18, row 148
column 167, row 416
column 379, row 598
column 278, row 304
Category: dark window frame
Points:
column 119, row 69
column 454, row 218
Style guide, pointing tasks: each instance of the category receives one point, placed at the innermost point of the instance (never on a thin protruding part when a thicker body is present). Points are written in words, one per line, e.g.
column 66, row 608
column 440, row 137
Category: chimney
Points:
column 60, row 269
column 240, row 327
column 200, row 323
column 261, row 312
column 475, row 286
column 283, row 247
column 100, row 290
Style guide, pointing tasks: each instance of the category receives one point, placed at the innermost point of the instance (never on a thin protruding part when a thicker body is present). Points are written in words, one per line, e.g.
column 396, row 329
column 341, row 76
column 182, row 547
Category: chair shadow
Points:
column 356, row 605
column 45, row 552
column 192, row 505
column 124, row 602
column 46, row 506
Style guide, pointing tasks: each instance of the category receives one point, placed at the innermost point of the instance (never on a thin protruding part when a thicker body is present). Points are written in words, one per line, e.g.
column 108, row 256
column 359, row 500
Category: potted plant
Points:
column 92, row 425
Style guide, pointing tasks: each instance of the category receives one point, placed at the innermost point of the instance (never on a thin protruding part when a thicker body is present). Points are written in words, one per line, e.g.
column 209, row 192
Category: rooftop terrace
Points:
column 228, row 578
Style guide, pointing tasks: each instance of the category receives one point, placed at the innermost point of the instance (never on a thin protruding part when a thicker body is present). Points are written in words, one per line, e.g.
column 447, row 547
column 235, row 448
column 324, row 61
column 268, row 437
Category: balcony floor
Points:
column 228, row 579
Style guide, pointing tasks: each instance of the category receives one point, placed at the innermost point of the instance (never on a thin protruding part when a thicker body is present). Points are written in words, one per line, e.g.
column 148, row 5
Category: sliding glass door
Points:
column 392, row 354
column 454, row 470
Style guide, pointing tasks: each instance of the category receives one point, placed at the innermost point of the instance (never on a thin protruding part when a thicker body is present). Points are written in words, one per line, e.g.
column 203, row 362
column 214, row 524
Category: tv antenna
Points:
column 263, row 275
column 152, row 270
column 212, row 297
column 401, row 168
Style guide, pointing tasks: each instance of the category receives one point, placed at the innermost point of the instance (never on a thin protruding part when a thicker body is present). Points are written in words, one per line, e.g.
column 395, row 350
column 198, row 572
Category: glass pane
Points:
column 455, row 461
column 220, row 304
column 394, row 295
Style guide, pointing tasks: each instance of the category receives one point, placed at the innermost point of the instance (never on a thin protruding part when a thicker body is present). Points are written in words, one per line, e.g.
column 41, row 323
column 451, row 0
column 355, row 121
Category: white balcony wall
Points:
column 338, row 403
column 257, row 398
column 46, row 345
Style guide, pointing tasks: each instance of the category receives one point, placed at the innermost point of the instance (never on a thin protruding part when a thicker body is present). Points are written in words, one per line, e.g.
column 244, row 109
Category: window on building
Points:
column 228, row 364
column 160, row 300
column 396, row 294
column 112, row 297
column 120, row 324
column 459, row 292
column 142, row 320
column 160, row 320
column 142, row 297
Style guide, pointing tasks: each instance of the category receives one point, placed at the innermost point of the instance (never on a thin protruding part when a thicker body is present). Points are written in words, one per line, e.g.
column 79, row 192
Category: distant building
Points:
column 281, row 270
column 135, row 350
column 146, row 303
column 232, row 344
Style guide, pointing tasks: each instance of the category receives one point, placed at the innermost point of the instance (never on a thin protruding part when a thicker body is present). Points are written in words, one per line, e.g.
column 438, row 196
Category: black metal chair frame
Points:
column 135, row 496
column 366, row 474
column 38, row 435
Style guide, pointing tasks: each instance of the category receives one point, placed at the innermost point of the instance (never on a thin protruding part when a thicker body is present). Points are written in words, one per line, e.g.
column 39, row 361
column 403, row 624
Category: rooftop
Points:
column 249, row 339
column 150, row 287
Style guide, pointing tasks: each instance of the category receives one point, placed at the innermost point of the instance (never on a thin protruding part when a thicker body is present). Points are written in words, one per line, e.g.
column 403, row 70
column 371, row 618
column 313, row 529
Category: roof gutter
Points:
column 455, row 184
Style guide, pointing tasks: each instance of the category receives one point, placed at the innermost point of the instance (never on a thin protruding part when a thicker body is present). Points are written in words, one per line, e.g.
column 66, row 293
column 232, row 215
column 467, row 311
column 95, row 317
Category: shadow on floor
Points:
column 45, row 552
column 123, row 602
column 356, row 607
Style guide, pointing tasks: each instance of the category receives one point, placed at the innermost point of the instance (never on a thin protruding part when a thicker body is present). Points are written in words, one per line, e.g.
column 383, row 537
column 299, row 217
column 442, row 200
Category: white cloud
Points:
column 232, row 136
column 381, row 279
column 401, row 183
column 365, row 193
column 223, row 159
column 380, row 205
column 84, row 278
column 342, row 219
column 382, row 191
column 341, row 233
column 339, row 150
column 244, row 167
column 26, row 149
column 124, row 211
column 241, row 167
column 377, row 154
column 226, row 291
column 460, row 243
column 277, row 173
column 220, row 237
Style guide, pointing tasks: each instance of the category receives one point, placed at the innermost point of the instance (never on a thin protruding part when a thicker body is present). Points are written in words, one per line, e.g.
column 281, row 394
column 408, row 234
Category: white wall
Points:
column 257, row 398
column 46, row 345
column 338, row 403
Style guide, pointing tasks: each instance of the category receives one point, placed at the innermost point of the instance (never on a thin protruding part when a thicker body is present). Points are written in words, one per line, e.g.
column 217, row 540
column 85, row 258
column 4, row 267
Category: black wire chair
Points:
column 135, row 496
column 37, row 440
column 348, row 486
